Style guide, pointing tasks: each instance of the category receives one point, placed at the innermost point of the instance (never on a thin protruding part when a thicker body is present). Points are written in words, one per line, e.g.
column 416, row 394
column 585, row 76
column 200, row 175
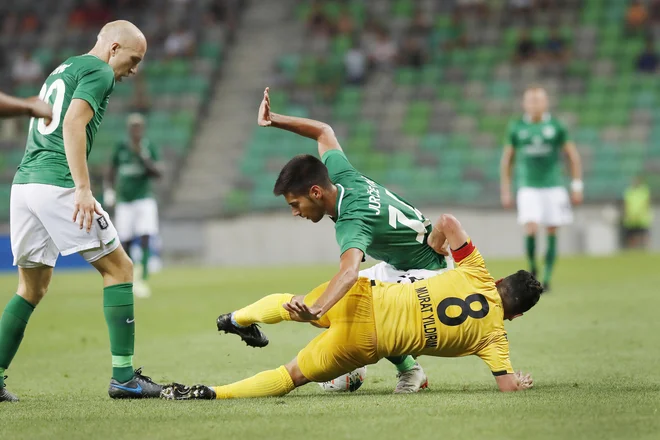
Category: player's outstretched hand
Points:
column 525, row 381
column 40, row 109
column 263, row 118
column 84, row 208
column 507, row 201
column 300, row 312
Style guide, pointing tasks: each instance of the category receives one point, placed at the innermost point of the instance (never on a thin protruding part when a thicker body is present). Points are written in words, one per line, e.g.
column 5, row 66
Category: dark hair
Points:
column 519, row 292
column 300, row 174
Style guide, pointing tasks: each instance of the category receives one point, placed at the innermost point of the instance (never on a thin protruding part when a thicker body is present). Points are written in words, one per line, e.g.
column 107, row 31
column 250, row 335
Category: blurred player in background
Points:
column 535, row 142
column 53, row 211
column 369, row 220
column 134, row 167
column 35, row 107
column 457, row 313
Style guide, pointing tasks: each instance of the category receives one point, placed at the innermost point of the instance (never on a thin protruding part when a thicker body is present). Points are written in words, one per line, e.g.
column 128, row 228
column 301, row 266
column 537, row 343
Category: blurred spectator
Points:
column 636, row 17
column 414, row 52
column 654, row 11
column 10, row 24
column 456, row 36
column 555, row 47
column 647, row 62
column 526, row 48
column 30, row 22
column 471, row 7
column 355, row 64
column 420, row 26
column 522, row 8
column 140, row 101
column 345, row 24
column 26, row 69
column 227, row 12
column 318, row 22
column 384, row 51
column 90, row 14
column 180, row 43
column 637, row 214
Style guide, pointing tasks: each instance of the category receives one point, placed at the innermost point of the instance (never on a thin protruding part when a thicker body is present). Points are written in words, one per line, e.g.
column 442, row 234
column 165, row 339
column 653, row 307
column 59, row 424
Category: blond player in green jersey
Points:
column 53, row 210
column 535, row 142
column 369, row 220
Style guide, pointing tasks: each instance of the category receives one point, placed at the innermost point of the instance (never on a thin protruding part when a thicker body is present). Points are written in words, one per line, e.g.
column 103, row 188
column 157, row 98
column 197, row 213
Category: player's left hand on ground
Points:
column 263, row 118
column 300, row 312
column 84, row 208
column 40, row 109
column 577, row 197
column 525, row 380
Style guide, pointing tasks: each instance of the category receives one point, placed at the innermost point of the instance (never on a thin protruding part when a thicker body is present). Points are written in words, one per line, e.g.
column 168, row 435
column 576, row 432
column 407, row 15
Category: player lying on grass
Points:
column 369, row 220
column 457, row 313
column 35, row 107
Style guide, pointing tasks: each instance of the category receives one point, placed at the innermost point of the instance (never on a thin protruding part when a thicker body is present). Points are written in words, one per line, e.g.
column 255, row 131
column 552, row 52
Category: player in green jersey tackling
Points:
column 53, row 210
column 369, row 220
column 134, row 166
column 536, row 142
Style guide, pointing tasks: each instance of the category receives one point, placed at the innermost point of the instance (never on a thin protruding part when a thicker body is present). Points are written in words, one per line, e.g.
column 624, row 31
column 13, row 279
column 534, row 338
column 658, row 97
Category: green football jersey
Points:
column 377, row 221
column 80, row 77
column 537, row 149
column 133, row 182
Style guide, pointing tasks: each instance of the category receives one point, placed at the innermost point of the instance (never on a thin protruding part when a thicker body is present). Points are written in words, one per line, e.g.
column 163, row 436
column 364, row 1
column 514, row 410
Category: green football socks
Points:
column 530, row 246
column 550, row 257
column 12, row 328
column 120, row 318
column 402, row 363
column 146, row 253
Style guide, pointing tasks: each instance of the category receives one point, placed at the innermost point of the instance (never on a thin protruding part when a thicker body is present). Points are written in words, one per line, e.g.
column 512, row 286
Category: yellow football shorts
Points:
column 350, row 340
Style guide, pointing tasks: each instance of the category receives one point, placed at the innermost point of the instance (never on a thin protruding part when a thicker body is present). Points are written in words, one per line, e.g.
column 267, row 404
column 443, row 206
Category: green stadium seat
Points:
column 403, row 8
column 406, row 76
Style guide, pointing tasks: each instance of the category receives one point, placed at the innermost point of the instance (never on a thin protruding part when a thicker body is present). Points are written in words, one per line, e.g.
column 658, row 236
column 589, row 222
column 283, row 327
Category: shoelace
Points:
column 139, row 374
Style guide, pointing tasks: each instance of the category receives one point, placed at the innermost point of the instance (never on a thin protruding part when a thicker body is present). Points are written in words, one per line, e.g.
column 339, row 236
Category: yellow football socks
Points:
column 265, row 384
column 267, row 310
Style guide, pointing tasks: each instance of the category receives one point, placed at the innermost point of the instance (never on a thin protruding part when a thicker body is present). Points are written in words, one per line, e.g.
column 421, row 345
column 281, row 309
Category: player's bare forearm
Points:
column 11, row 106
column 450, row 228
column 75, row 141
column 505, row 168
column 574, row 160
column 309, row 128
column 341, row 283
column 437, row 239
column 152, row 168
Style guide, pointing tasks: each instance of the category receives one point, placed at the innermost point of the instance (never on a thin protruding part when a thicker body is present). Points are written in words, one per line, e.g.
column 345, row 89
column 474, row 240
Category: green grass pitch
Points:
column 592, row 345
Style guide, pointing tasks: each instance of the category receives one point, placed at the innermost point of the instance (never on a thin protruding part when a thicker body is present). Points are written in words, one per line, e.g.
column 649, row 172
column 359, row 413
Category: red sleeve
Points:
column 463, row 252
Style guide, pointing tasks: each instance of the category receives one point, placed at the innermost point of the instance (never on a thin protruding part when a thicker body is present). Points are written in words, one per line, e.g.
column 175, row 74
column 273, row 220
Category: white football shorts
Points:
column 137, row 218
column 544, row 206
column 389, row 274
column 42, row 227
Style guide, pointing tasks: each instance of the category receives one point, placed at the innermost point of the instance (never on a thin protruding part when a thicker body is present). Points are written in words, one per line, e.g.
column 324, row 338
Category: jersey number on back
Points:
column 58, row 88
column 466, row 309
column 396, row 216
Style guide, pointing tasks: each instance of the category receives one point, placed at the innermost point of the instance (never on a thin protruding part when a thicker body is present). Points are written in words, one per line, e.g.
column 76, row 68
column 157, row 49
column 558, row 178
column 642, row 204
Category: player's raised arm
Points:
column 11, row 106
column 75, row 146
column 575, row 163
column 506, row 164
column 349, row 268
column 309, row 128
column 450, row 229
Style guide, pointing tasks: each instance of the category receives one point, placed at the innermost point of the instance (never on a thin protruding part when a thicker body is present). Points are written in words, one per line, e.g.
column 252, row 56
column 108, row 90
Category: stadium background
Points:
column 419, row 92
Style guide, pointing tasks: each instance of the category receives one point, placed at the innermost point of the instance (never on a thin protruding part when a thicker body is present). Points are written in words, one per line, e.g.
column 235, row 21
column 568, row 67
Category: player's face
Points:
column 124, row 60
column 535, row 102
column 136, row 131
column 308, row 207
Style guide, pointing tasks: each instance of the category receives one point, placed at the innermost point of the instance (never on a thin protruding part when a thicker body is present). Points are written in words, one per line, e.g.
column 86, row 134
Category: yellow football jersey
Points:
column 456, row 313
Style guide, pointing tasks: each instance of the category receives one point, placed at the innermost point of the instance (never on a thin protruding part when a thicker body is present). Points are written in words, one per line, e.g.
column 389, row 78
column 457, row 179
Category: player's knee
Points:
column 32, row 294
column 531, row 228
column 297, row 377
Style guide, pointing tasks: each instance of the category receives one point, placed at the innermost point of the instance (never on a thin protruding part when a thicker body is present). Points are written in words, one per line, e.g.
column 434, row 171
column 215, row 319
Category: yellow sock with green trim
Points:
column 271, row 383
column 267, row 310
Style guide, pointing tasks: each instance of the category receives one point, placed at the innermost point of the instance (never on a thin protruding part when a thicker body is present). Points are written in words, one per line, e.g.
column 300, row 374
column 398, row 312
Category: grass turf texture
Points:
column 592, row 345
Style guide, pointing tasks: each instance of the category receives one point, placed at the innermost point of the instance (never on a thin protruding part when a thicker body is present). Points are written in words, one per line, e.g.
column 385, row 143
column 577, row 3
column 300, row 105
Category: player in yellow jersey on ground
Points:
column 458, row 313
